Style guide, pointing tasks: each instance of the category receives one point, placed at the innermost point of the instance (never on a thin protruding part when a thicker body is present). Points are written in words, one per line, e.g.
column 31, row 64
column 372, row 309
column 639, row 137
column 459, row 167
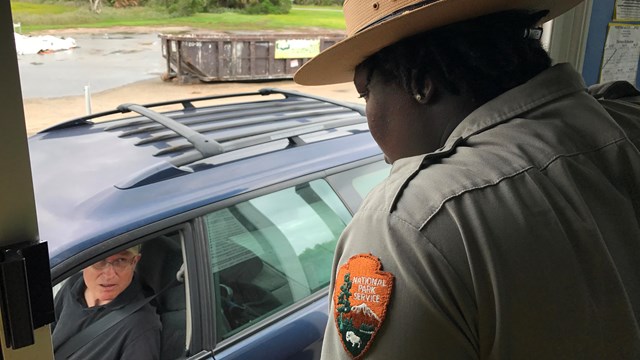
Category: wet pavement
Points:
column 101, row 61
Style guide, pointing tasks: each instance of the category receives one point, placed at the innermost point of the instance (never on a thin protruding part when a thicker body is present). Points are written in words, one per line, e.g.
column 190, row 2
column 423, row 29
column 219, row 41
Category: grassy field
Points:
column 35, row 17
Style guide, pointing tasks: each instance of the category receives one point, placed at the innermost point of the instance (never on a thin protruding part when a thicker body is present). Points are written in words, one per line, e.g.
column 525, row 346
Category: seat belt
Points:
column 92, row 331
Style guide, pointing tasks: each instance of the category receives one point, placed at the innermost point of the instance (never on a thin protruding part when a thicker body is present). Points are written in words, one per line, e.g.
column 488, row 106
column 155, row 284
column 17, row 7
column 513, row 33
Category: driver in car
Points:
column 108, row 288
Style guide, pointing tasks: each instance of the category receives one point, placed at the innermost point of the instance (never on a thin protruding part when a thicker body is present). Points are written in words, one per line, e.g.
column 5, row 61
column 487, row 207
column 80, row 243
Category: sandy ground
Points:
column 41, row 113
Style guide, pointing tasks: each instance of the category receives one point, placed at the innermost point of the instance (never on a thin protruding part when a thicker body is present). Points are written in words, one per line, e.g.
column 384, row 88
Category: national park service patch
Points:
column 361, row 297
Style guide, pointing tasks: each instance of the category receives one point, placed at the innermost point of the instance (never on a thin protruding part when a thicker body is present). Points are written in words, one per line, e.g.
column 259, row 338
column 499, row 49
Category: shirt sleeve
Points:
column 431, row 312
column 63, row 295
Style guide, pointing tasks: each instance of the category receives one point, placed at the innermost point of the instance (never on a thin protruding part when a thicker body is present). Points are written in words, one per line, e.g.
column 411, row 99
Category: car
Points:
column 241, row 197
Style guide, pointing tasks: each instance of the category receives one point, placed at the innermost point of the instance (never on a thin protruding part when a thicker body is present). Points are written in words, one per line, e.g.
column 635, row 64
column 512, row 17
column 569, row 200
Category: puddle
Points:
column 135, row 57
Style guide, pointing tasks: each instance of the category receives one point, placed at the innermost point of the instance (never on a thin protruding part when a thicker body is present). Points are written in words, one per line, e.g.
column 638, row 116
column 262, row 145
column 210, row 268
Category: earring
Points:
column 418, row 97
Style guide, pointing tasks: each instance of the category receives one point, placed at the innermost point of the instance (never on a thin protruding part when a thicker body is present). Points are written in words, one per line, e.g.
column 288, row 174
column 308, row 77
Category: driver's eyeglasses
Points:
column 117, row 264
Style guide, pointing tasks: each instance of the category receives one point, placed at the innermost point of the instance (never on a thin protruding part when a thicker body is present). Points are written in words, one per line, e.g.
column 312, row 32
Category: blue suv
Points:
column 241, row 197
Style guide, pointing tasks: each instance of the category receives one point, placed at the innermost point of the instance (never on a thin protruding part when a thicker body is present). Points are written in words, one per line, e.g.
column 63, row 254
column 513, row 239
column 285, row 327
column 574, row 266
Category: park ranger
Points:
column 509, row 225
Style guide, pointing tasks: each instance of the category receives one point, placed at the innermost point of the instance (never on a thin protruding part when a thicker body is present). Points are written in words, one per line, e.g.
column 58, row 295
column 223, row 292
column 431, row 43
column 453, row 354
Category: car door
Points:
column 269, row 258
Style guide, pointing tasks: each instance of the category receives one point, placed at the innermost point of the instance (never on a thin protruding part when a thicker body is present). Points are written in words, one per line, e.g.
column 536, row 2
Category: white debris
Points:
column 26, row 45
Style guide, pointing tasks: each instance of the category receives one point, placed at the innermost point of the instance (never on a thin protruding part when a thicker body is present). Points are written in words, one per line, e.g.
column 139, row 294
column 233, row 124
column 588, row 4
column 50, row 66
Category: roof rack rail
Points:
column 357, row 108
column 201, row 146
column 188, row 104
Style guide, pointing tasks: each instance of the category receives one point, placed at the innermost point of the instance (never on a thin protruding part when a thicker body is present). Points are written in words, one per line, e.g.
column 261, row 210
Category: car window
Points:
column 365, row 182
column 159, row 272
column 353, row 185
column 272, row 251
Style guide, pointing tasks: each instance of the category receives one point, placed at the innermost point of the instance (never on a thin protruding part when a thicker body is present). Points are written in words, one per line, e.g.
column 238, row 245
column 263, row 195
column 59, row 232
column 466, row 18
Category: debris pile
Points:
column 43, row 44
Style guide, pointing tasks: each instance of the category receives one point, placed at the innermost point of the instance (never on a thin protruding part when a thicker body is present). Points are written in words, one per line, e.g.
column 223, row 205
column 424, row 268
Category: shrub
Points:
column 185, row 7
column 269, row 7
column 319, row 2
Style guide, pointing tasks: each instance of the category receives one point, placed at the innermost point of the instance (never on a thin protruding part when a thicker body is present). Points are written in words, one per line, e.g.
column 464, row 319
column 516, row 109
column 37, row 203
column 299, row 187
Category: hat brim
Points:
column 337, row 63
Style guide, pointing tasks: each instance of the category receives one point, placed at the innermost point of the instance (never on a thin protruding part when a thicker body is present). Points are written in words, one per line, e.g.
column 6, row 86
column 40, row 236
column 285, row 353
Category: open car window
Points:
column 160, row 273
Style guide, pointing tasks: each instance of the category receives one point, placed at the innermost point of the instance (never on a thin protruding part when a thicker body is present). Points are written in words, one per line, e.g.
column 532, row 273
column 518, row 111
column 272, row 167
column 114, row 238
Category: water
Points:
column 101, row 61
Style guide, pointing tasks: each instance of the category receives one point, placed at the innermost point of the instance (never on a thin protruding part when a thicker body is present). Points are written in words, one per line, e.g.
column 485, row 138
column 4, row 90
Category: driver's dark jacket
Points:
column 519, row 239
column 136, row 337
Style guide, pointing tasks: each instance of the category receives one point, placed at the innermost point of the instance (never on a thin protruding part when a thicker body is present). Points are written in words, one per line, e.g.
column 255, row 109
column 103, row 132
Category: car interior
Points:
column 242, row 300
column 161, row 269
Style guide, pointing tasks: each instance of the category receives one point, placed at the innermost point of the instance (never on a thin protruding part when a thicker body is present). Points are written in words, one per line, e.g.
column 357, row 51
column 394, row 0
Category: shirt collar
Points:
column 558, row 81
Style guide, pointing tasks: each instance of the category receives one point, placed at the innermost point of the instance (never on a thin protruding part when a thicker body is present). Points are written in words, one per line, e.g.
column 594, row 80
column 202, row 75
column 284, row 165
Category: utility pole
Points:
column 26, row 300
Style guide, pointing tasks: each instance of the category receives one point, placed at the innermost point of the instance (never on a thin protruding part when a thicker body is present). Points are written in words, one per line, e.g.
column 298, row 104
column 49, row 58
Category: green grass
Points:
column 37, row 17
column 31, row 9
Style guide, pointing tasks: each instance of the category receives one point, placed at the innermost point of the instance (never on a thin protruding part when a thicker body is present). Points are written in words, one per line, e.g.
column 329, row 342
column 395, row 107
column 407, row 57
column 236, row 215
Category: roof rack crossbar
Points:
column 291, row 132
column 273, row 128
column 264, row 138
column 177, row 114
column 268, row 121
column 205, row 146
column 244, row 116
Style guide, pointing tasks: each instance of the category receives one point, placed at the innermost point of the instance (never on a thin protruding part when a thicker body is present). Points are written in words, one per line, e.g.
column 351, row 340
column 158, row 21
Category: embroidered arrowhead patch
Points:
column 361, row 297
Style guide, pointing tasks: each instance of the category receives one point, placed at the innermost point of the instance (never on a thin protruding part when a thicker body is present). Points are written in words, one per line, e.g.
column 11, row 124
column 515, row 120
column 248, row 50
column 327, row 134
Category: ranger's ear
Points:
column 425, row 91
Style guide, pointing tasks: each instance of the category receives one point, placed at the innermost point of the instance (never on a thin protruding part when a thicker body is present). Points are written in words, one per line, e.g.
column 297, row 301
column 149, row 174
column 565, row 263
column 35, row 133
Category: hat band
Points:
column 397, row 13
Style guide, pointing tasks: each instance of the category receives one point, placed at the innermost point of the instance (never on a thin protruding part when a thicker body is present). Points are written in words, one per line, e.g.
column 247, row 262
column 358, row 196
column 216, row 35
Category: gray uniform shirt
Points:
column 519, row 239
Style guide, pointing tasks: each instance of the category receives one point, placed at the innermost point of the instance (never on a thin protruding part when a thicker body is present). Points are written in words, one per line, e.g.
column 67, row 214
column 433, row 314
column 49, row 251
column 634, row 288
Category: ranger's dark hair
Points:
column 481, row 57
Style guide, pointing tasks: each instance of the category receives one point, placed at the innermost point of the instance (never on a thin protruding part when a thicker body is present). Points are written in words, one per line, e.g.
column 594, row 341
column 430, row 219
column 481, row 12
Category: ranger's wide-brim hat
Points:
column 374, row 24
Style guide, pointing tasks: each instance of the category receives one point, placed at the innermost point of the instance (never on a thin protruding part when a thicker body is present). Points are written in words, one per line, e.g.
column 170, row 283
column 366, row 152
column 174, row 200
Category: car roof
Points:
column 97, row 180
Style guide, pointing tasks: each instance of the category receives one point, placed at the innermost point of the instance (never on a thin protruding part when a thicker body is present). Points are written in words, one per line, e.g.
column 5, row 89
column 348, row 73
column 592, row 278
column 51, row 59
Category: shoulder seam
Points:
column 465, row 190
column 518, row 172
